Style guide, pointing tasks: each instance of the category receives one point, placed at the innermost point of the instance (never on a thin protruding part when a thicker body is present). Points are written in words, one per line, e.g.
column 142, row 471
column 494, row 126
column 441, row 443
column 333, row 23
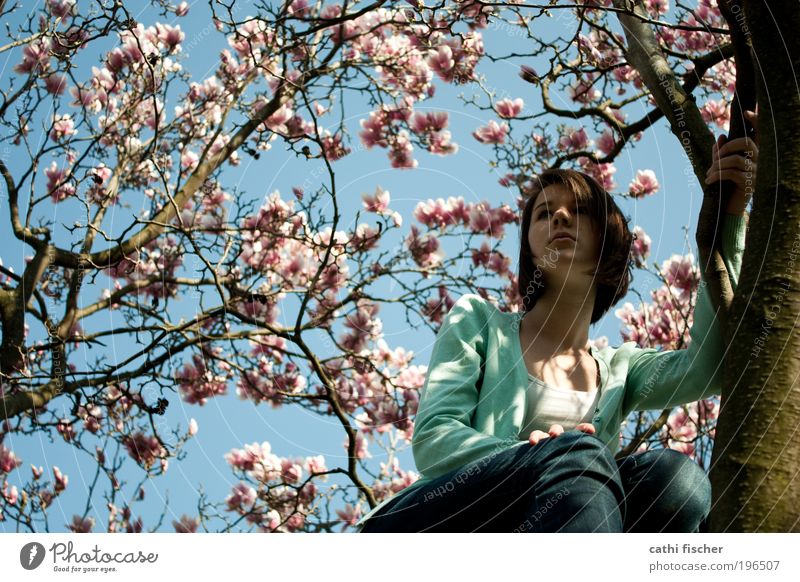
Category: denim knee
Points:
column 578, row 467
column 687, row 488
column 578, row 443
column 575, row 453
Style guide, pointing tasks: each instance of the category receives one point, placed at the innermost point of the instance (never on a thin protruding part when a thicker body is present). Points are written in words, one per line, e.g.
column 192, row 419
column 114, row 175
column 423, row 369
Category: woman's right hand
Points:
column 556, row 430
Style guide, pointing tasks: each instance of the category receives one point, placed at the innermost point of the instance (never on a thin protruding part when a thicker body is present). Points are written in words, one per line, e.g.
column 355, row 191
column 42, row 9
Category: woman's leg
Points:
column 665, row 490
column 567, row 483
column 580, row 468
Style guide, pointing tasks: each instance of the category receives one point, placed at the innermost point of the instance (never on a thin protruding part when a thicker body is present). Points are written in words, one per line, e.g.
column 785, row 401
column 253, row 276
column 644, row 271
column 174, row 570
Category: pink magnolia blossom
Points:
column 529, row 74
column 721, row 77
column 657, row 7
column 365, row 326
column 144, row 449
column 421, row 123
column 242, row 498
column 349, row 515
column 186, row 524
column 61, row 480
column 442, row 213
column 35, row 57
column 268, row 383
column 507, row 180
column 603, row 173
column 664, row 322
column 589, row 48
column 400, row 153
column 61, row 8
column 685, row 424
column 681, row 273
column 170, row 36
column 58, row 183
column 189, row 159
column 425, row 250
column 361, row 451
column 8, row 460
column 315, row 464
column 437, row 307
column 377, row 203
column 573, row 140
column 644, row 184
column 81, row 525
column 442, row 62
column 11, row 495
column 55, row 83
column 490, row 221
column 278, row 120
column 253, row 456
column 582, row 91
column 626, row 74
column 162, row 256
column 606, row 142
column 100, row 176
column 333, row 148
column 398, row 479
column 641, row 247
column 492, row 132
column 430, row 127
column 63, row 127
column 716, row 112
column 507, row 109
column 374, row 130
column 197, row 382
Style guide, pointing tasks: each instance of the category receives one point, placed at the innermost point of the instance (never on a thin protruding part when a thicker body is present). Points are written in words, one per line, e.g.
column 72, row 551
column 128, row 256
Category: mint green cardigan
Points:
column 472, row 403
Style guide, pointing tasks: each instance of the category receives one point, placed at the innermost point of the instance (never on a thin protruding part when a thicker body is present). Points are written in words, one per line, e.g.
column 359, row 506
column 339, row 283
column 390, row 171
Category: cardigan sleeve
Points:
column 443, row 438
column 667, row 378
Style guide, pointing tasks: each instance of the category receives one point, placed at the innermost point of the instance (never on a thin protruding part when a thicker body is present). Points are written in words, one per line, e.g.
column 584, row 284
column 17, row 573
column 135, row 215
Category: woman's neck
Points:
column 561, row 319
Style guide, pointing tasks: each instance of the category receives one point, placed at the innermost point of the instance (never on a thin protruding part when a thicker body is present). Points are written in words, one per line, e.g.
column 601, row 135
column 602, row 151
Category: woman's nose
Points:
column 561, row 216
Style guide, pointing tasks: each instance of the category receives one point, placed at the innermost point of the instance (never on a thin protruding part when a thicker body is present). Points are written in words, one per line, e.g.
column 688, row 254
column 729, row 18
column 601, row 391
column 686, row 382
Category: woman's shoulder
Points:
column 476, row 306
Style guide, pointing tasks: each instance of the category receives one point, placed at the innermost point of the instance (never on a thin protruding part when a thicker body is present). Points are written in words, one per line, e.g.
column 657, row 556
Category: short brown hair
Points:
column 613, row 272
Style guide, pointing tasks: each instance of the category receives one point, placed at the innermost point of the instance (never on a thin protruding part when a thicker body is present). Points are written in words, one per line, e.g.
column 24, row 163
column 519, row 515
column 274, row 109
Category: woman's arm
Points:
column 663, row 379
column 658, row 380
column 443, row 438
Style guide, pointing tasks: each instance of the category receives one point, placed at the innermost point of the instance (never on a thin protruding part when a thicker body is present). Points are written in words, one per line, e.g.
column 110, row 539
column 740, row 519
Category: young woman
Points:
column 519, row 418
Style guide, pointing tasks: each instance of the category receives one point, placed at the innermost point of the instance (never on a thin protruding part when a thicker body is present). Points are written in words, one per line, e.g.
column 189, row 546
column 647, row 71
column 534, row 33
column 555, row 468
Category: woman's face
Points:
column 555, row 212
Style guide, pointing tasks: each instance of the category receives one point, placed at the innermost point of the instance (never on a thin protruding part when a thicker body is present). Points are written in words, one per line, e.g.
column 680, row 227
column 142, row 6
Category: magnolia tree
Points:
column 201, row 275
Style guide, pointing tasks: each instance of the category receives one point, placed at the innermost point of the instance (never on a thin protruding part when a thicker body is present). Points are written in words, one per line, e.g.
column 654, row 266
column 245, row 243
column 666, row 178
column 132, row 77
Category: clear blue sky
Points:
column 226, row 422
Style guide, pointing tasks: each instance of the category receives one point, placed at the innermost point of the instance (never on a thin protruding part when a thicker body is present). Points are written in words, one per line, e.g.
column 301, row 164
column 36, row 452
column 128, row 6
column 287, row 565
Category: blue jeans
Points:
column 570, row 483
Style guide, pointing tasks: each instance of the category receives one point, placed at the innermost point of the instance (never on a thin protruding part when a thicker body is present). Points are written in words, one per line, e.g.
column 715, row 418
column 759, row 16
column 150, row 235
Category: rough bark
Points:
column 757, row 443
column 756, row 455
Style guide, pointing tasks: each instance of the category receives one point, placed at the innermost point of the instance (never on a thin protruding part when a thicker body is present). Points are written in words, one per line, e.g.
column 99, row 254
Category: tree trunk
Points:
column 755, row 470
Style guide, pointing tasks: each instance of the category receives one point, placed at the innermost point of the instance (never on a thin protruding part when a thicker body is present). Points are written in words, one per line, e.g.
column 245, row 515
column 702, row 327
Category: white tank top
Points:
column 547, row 405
